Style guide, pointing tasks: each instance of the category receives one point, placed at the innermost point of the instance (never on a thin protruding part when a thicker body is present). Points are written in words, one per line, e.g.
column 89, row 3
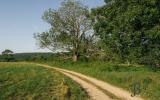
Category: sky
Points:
column 20, row 19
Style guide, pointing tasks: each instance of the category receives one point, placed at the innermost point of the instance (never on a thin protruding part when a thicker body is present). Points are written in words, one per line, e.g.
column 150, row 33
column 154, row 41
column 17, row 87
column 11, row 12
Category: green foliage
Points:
column 130, row 29
column 35, row 56
column 27, row 81
column 7, row 58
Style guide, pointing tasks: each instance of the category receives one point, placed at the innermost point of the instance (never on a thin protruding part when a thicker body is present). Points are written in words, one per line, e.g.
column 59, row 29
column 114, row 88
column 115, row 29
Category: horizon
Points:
column 21, row 19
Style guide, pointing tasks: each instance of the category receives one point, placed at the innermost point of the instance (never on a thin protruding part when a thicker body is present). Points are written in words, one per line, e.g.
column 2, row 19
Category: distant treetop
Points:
column 7, row 51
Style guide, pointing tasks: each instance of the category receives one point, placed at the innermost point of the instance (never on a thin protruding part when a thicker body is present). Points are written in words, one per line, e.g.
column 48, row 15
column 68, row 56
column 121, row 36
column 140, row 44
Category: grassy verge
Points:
column 20, row 81
column 147, row 79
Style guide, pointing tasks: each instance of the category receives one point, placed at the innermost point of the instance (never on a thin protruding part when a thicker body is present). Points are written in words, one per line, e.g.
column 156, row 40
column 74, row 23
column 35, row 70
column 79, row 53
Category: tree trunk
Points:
column 75, row 53
column 75, row 57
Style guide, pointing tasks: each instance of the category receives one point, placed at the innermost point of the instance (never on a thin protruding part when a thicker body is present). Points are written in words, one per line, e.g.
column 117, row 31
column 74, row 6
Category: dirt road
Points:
column 97, row 90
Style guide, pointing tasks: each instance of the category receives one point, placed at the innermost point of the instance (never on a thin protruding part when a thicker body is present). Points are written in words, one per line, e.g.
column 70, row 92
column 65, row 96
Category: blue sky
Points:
column 20, row 19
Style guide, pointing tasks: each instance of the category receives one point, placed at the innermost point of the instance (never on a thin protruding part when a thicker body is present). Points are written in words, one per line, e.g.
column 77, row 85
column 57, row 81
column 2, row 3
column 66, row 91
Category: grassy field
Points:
column 21, row 81
column 147, row 79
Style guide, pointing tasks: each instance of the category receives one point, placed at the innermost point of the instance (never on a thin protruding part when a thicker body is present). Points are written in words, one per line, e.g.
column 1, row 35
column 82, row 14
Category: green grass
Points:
column 21, row 81
column 120, row 75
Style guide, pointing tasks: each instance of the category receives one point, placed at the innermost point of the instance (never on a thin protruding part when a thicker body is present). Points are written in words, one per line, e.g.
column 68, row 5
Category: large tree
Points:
column 131, row 29
column 71, row 28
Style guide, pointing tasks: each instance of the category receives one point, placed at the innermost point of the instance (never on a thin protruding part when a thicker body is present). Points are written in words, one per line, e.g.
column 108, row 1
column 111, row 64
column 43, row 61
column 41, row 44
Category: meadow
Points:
column 145, row 78
column 22, row 81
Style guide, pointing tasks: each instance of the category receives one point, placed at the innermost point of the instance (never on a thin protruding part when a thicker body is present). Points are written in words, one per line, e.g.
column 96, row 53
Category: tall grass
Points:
column 20, row 81
column 120, row 75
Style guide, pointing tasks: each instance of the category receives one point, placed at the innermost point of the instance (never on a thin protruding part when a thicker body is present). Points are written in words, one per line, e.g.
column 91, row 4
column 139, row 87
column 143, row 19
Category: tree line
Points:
column 124, row 31
column 9, row 56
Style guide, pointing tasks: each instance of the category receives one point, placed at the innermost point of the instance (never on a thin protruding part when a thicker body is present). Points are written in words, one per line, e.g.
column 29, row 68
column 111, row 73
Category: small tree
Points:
column 7, row 51
column 71, row 29
column 7, row 55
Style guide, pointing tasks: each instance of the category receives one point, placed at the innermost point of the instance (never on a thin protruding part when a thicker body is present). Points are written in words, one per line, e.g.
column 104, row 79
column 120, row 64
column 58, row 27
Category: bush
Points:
column 7, row 58
column 83, row 59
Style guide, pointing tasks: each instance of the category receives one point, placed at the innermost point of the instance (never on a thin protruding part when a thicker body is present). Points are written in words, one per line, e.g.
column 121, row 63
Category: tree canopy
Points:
column 127, row 30
column 7, row 51
column 130, row 29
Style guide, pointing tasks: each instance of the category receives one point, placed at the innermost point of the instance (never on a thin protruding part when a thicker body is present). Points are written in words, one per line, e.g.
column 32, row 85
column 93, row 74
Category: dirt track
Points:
column 97, row 90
